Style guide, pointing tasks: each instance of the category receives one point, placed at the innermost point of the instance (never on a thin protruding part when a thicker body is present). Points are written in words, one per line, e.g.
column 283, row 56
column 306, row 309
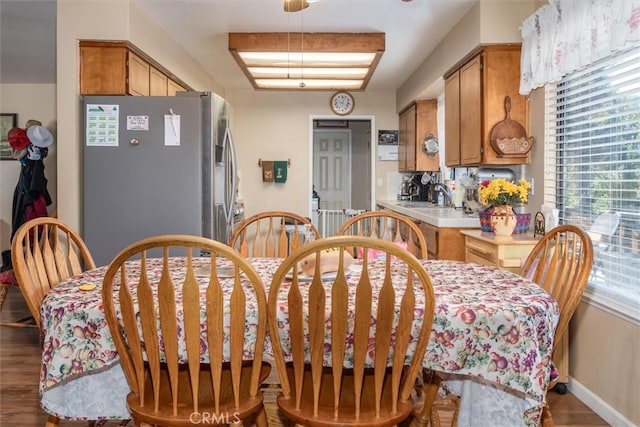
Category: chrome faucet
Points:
column 445, row 191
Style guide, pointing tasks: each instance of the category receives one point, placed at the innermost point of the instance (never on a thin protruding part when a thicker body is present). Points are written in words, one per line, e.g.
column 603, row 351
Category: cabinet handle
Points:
column 478, row 249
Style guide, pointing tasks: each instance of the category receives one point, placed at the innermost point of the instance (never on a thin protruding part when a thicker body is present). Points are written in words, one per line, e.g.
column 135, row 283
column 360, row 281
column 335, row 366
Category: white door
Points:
column 332, row 168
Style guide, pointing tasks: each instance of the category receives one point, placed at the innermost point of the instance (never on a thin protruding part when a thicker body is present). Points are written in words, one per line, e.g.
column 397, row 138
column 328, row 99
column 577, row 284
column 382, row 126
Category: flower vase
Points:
column 503, row 220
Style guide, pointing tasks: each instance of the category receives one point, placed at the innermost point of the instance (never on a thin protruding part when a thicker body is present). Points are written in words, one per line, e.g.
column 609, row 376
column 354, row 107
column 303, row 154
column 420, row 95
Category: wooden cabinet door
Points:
column 471, row 112
column 157, row 82
column 452, row 120
column 103, row 70
column 173, row 87
column 501, row 78
column 402, row 142
column 426, row 123
column 138, row 75
column 406, row 140
column 410, row 160
column 430, row 234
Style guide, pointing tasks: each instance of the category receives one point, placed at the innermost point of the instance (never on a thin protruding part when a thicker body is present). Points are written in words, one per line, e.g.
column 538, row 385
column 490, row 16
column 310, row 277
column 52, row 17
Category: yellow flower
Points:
column 502, row 192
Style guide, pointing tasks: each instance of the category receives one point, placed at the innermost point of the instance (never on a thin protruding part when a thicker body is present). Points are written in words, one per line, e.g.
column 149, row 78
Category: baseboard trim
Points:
column 597, row 405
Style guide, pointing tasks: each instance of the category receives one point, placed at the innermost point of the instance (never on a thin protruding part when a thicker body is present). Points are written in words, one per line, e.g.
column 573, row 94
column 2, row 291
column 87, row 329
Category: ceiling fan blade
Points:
column 295, row 5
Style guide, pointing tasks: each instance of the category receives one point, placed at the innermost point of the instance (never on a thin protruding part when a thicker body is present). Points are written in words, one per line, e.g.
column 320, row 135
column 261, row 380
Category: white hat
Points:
column 40, row 136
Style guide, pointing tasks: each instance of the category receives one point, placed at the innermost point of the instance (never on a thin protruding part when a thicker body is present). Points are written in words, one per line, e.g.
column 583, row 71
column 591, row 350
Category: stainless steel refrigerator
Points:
column 156, row 165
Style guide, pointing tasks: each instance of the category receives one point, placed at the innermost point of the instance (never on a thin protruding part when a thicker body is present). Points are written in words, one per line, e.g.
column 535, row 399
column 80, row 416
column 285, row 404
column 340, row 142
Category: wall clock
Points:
column 342, row 103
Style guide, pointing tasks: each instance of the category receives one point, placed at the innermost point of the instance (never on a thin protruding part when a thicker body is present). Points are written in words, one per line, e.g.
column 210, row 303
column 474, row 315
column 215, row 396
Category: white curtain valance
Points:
column 567, row 35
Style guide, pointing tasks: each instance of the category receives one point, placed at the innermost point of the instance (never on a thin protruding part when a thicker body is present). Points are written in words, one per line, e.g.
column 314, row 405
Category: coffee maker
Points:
column 405, row 189
column 420, row 187
column 426, row 182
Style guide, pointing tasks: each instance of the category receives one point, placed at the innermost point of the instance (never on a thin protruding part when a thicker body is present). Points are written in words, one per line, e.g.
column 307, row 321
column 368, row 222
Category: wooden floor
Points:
column 20, row 365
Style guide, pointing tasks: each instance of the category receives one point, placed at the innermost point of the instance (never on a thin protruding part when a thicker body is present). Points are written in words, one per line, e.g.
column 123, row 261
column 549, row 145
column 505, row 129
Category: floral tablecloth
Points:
column 492, row 331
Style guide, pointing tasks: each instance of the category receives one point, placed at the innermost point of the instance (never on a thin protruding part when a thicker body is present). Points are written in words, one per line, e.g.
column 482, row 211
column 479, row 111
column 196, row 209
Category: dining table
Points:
column 491, row 340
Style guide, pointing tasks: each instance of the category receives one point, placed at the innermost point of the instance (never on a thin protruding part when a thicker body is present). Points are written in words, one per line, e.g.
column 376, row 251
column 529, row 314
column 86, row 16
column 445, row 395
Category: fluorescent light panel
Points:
column 315, row 58
column 309, row 73
column 295, row 83
column 329, row 61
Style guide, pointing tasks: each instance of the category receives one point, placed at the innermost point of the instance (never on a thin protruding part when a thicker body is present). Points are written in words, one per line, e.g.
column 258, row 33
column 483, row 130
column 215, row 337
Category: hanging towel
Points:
column 280, row 171
column 267, row 171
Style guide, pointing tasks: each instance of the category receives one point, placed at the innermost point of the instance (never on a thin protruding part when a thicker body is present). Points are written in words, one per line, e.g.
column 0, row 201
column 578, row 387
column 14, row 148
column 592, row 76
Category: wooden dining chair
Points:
column 163, row 329
column 44, row 252
column 561, row 263
column 322, row 382
column 271, row 234
column 387, row 225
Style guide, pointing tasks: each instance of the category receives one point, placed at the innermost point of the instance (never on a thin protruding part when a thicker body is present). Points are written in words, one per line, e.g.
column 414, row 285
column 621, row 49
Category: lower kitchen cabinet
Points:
column 443, row 243
column 509, row 254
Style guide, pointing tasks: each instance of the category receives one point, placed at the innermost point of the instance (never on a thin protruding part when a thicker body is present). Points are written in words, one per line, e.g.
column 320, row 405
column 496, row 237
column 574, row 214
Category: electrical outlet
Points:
column 380, row 182
column 532, row 182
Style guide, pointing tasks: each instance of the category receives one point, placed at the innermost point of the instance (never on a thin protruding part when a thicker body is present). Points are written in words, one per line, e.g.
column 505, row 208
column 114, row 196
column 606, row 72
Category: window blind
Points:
column 592, row 169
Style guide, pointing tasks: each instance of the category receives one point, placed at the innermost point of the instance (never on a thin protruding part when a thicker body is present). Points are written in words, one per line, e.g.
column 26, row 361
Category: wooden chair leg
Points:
column 27, row 322
column 261, row 420
column 52, row 421
column 4, row 288
column 430, row 387
column 547, row 419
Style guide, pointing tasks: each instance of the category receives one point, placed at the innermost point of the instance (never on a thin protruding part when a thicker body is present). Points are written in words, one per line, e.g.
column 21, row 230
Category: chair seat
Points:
column 227, row 413
column 326, row 417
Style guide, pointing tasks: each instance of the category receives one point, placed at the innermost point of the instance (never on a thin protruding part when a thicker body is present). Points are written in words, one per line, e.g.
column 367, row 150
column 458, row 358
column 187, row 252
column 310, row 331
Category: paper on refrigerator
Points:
column 102, row 125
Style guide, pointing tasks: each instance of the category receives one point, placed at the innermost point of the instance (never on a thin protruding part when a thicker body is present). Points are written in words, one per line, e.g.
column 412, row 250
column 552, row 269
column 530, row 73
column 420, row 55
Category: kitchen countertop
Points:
column 432, row 214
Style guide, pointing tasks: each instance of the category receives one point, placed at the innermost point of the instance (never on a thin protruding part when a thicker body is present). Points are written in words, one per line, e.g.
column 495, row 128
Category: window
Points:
column 592, row 171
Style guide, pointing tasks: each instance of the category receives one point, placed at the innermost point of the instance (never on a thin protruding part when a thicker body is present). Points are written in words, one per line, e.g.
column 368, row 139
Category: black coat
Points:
column 31, row 185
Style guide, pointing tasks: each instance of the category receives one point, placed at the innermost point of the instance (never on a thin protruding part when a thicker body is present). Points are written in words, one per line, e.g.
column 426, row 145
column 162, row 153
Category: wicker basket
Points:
column 522, row 226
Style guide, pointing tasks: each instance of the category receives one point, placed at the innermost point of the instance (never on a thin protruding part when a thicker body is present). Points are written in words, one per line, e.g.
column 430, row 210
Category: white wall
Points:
column 29, row 101
column 275, row 126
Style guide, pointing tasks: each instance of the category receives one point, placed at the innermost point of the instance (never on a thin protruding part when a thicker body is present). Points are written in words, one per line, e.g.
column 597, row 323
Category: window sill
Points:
column 624, row 308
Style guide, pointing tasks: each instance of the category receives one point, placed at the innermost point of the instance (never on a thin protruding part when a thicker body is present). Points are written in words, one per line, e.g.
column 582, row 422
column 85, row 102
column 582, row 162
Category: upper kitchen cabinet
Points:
column 138, row 75
column 417, row 121
column 474, row 96
column 173, row 87
column 158, row 82
column 120, row 68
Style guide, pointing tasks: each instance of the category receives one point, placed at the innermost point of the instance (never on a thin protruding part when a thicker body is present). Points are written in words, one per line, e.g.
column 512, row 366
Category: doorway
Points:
column 332, row 151
column 342, row 162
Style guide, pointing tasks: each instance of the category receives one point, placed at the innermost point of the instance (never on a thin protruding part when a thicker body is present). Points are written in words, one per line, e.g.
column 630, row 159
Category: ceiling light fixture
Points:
column 326, row 61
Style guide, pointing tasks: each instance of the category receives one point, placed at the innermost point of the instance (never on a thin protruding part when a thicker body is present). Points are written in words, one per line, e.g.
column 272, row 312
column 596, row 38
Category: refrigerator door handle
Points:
column 230, row 199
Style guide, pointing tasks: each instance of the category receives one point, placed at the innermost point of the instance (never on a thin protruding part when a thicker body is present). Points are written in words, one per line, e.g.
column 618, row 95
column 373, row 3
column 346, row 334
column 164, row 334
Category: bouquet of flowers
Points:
column 502, row 192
